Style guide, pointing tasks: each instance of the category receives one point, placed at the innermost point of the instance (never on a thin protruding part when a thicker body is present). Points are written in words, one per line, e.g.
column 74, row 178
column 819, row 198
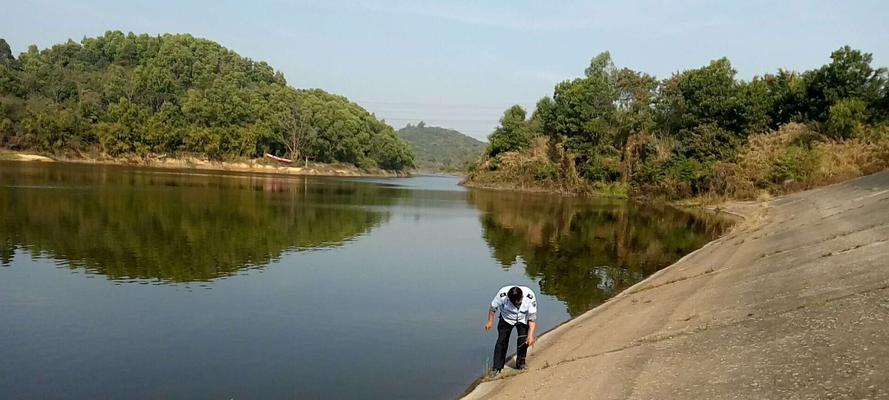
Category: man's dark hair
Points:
column 514, row 294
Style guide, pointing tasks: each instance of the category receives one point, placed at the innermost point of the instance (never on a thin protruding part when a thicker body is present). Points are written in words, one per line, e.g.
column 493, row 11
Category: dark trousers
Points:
column 504, row 329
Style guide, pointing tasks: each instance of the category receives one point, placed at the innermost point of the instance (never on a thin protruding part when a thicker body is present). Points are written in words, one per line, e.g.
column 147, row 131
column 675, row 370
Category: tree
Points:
column 297, row 134
column 512, row 134
column 787, row 89
column 848, row 75
column 584, row 108
column 754, row 103
column 601, row 67
column 542, row 115
column 846, row 117
column 635, row 101
column 706, row 95
column 6, row 57
column 583, row 115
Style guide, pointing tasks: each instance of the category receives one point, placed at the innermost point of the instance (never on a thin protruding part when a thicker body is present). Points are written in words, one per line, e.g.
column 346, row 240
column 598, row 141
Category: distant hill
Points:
column 440, row 149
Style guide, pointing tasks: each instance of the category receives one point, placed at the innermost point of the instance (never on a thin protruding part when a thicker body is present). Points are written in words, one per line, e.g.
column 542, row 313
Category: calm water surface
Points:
column 135, row 283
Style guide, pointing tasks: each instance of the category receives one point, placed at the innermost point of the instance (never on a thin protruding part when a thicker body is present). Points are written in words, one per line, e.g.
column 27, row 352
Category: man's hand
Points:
column 490, row 323
column 531, row 340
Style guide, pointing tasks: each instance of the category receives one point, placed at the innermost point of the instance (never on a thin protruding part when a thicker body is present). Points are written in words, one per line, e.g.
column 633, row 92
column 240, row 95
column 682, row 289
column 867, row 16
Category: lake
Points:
column 122, row 282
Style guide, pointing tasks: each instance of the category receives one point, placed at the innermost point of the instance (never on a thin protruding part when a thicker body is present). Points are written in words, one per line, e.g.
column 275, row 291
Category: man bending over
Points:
column 518, row 308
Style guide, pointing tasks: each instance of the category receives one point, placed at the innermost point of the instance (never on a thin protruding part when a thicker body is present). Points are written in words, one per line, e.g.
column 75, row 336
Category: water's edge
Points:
column 254, row 166
column 736, row 214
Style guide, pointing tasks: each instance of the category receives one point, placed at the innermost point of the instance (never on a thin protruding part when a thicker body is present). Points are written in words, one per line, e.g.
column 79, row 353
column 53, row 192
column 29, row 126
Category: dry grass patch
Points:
column 796, row 157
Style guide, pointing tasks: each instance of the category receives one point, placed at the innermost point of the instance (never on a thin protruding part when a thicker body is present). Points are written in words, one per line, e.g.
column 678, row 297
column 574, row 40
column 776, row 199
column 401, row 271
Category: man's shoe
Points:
column 494, row 373
column 521, row 367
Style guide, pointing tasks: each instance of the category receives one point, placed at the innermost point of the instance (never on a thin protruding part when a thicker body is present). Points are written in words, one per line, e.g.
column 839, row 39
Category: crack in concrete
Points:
column 860, row 246
column 823, row 240
column 709, row 271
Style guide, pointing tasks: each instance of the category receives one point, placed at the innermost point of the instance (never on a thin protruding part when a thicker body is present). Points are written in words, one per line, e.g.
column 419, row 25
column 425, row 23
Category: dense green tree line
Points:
column 141, row 94
column 620, row 125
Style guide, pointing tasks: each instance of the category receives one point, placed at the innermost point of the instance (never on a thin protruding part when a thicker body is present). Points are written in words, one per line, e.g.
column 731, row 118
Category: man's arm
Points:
column 532, row 322
column 490, row 323
column 495, row 303
column 531, row 327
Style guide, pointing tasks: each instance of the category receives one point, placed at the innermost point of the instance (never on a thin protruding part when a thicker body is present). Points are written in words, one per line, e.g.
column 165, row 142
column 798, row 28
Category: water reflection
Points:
column 290, row 332
column 176, row 227
column 584, row 251
column 183, row 227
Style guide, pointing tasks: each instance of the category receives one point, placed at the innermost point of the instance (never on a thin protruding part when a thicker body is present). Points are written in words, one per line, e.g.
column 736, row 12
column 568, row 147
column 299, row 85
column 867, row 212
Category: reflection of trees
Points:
column 583, row 251
column 133, row 224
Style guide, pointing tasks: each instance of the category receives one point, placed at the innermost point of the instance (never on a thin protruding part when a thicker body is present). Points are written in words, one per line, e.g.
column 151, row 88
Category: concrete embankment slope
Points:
column 793, row 304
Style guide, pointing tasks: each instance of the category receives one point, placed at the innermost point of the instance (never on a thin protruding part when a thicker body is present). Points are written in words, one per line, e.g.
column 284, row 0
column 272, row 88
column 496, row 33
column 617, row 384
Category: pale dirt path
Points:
column 31, row 157
column 259, row 166
column 793, row 304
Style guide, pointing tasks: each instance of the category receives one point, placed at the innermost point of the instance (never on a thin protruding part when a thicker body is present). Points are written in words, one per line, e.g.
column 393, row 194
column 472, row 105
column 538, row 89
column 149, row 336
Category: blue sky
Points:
column 459, row 64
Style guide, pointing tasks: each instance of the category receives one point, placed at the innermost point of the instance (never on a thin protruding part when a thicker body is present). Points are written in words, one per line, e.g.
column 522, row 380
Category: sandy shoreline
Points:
column 790, row 304
column 248, row 166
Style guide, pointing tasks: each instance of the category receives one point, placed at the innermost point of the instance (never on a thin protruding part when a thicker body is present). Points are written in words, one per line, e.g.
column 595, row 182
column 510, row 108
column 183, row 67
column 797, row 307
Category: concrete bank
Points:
column 792, row 304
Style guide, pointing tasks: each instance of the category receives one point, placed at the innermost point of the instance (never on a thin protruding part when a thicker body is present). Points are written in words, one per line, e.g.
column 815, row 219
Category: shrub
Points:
column 796, row 164
column 728, row 179
column 851, row 158
column 710, row 143
column 600, row 167
column 542, row 170
column 759, row 154
column 6, row 130
column 114, row 138
column 796, row 157
column 846, row 117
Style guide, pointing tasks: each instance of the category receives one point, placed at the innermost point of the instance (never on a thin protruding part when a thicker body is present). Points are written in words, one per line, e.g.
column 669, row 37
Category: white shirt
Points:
column 527, row 311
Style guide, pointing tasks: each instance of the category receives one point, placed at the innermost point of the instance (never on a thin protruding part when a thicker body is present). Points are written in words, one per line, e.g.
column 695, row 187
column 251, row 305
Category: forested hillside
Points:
column 700, row 131
column 127, row 94
column 441, row 149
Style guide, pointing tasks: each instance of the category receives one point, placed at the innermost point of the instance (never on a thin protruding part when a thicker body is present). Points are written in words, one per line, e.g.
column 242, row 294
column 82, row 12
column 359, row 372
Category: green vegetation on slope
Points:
column 696, row 132
column 139, row 94
column 440, row 149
